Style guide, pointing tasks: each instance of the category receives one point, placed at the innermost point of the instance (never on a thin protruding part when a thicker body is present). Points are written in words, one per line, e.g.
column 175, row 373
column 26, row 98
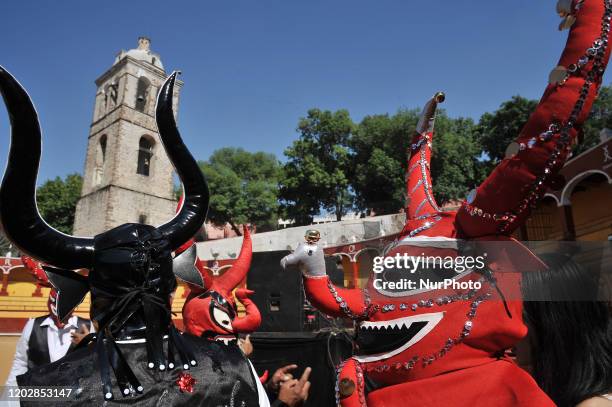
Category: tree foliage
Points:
column 379, row 146
column 243, row 188
column 6, row 246
column 498, row 129
column 599, row 119
column 380, row 156
column 57, row 199
column 455, row 167
column 317, row 172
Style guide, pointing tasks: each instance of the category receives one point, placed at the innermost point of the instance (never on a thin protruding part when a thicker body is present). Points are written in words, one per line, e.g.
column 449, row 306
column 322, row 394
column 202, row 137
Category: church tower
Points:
column 128, row 177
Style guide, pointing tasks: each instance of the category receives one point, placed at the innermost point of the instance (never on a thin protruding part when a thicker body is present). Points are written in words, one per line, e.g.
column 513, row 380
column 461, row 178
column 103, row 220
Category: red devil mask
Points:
column 37, row 271
column 416, row 336
column 210, row 309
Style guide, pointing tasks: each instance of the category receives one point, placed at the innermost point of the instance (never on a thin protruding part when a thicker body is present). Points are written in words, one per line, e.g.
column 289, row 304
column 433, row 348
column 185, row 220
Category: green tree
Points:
column 455, row 168
column 599, row 119
column 498, row 129
column 243, row 188
column 380, row 154
column 57, row 199
column 380, row 146
column 6, row 246
column 316, row 174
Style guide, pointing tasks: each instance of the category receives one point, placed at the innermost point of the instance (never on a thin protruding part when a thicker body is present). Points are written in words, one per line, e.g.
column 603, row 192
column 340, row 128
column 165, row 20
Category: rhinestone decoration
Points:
column 368, row 310
column 337, row 388
column 465, row 332
column 426, row 186
column 439, row 301
column 559, row 133
column 360, row 384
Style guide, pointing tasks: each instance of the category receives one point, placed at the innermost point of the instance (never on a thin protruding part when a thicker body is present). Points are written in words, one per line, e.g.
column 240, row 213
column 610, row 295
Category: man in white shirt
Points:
column 30, row 353
column 44, row 340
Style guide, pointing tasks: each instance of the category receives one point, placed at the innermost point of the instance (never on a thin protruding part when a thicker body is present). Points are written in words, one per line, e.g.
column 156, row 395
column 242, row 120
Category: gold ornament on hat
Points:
column 564, row 7
column 567, row 22
column 512, row 149
column 558, row 75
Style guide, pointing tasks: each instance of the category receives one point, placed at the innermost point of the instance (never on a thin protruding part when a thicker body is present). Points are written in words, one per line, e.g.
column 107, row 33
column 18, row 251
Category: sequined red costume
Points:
column 430, row 347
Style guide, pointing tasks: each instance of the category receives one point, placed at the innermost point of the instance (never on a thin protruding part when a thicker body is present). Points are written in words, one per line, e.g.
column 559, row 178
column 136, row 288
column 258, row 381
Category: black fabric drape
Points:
column 223, row 377
column 277, row 349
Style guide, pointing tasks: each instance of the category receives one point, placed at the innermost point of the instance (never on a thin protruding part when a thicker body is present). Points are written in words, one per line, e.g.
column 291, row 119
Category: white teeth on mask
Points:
column 431, row 320
column 225, row 340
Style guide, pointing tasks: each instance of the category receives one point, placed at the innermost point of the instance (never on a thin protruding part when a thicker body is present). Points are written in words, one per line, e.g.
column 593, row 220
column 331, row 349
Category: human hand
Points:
column 281, row 375
column 294, row 392
column 246, row 345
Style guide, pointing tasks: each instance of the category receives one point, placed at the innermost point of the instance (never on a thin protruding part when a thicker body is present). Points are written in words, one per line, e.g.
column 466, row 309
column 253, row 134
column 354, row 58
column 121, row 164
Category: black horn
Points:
column 19, row 214
column 192, row 214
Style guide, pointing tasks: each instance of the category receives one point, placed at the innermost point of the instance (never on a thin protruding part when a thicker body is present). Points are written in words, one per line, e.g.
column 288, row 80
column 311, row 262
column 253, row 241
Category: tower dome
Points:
column 142, row 53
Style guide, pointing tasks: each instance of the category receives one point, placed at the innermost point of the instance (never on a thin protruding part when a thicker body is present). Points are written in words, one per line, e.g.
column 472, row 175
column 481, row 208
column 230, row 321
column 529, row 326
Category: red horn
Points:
column 237, row 273
column 419, row 194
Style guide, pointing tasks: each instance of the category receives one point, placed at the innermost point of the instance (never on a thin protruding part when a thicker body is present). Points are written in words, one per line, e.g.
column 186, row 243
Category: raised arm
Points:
column 321, row 292
column 503, row 201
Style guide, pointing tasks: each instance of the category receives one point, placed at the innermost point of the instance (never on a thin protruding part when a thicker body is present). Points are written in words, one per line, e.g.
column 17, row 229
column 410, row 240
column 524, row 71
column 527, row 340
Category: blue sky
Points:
column 252, row 68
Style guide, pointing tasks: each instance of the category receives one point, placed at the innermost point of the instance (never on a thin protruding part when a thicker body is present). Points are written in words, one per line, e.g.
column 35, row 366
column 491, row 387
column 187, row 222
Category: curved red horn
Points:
column 252, row 319
column 235, row 275
column 419, row 194
column 503, row 202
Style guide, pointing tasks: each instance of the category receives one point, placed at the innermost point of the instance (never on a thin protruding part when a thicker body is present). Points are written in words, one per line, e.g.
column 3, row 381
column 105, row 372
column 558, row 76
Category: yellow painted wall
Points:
column 7, row 352
column 592, row 210
column 591, row 205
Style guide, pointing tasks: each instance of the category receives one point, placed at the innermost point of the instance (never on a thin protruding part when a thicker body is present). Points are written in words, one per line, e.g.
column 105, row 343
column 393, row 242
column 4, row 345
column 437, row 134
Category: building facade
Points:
column 127, row 176
column 580, row 207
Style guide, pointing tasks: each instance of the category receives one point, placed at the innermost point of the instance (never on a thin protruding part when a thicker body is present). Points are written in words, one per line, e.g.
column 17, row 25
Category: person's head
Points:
column 570, row 331
column 312, row 236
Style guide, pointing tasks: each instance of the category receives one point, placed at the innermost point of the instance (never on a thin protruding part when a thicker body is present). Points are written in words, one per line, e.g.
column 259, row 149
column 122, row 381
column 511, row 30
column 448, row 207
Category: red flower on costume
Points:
column 186, row 382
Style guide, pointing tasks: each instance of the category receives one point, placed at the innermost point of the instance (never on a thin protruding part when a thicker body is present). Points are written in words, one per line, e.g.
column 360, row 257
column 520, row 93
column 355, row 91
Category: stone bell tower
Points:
column 128, row 177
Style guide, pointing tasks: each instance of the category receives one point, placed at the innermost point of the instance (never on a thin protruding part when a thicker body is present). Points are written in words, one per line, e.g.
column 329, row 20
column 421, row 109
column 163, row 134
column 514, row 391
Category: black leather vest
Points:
column 38, row 345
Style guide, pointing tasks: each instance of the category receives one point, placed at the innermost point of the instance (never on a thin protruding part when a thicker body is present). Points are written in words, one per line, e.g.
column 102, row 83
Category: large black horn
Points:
column 19, row 215
column 195, row 205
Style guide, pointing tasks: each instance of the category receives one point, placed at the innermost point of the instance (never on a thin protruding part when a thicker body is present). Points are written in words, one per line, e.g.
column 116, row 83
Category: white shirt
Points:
column 261, row 392
column 58, row 340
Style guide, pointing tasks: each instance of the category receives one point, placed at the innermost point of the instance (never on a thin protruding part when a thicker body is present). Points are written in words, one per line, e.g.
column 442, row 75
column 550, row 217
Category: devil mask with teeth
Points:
column 130, row 279
column 440, row 346
column 210, row 309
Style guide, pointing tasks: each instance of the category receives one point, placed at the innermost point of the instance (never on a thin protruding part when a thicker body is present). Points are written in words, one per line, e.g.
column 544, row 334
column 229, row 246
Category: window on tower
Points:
column 110, row 95
column 145, row 154
column 100, row 159
column 142, row 93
